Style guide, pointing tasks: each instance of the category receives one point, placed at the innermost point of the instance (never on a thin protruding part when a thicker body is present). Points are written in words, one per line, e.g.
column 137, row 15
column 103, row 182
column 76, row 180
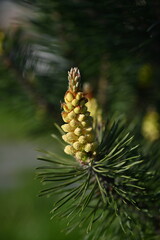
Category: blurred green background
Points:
column 116, row 46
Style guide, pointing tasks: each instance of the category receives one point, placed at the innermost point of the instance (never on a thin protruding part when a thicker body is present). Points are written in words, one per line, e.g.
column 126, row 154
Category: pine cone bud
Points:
column 79, row 130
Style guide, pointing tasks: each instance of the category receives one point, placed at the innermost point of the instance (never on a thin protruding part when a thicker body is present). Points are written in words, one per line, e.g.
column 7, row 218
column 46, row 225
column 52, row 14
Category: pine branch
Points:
column 115, row 189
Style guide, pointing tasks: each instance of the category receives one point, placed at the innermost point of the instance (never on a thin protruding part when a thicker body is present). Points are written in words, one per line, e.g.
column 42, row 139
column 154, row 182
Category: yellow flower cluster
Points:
column 95, row 111
column 79, row 131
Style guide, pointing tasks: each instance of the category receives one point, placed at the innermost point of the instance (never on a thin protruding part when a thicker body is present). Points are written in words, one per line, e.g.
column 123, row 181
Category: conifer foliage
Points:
column 103, row 183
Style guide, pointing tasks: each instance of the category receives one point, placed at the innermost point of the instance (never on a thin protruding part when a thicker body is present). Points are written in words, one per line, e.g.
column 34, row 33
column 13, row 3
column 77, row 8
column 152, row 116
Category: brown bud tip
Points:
column 74, row 79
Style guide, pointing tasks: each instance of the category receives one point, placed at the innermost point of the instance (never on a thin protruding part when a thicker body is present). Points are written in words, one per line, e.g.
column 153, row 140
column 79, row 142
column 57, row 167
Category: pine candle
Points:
column 78, row 126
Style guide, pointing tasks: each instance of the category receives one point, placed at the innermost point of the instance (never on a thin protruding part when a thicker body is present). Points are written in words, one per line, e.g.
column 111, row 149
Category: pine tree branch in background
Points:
column 103, row 83
column 28, row 88
column 26, row 55
column 12, row 59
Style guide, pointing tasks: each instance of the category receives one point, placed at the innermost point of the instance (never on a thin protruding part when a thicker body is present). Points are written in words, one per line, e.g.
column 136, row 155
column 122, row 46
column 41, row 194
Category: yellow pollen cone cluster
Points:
column 78, row 123
column 93, row 106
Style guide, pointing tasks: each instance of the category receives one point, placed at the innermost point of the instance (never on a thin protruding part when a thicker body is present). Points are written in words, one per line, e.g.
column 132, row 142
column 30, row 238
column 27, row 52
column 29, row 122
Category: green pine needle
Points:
column 115, row 187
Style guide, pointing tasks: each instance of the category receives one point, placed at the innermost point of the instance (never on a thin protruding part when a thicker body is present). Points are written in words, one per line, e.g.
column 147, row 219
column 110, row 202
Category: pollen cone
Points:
column 78, row 126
